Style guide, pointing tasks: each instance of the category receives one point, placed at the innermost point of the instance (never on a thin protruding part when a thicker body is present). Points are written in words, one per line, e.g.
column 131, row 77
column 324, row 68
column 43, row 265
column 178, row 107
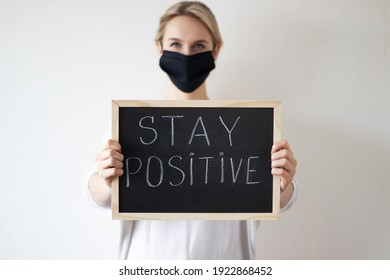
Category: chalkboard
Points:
column 196, row 159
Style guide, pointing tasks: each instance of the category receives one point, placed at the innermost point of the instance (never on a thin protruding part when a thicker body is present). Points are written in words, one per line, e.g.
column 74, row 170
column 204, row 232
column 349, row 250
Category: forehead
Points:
column 186, row 28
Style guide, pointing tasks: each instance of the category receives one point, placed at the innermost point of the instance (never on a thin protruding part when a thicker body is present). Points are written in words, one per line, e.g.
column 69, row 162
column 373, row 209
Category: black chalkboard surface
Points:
column 196, row 159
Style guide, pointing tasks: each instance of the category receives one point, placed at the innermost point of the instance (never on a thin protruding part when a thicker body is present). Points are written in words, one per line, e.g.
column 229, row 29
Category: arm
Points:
column 284, row 165
column 110, row 164
column 286, row 195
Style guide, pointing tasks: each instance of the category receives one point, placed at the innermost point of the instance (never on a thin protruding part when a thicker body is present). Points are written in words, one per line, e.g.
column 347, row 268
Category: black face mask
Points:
column 187, row 72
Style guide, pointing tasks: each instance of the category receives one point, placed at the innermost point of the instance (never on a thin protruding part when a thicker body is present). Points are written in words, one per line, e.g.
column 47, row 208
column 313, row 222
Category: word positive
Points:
column 186, row 168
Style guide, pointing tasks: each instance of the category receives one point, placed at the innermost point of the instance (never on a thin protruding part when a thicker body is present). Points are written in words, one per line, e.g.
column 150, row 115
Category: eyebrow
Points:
column 201, row 41
column 173, row 39
column 196, row 42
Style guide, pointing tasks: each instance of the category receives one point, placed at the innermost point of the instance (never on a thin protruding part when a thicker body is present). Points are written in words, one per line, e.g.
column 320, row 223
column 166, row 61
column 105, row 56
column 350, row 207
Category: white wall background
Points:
column 61, row 63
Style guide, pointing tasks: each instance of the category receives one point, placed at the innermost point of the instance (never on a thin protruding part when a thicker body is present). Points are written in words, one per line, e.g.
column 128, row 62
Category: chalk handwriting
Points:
column 229, row 131
column 204, row 134
column 172, row 127
column 148, row 128
column 199, row 129
column 182, row 170
column 185, row 166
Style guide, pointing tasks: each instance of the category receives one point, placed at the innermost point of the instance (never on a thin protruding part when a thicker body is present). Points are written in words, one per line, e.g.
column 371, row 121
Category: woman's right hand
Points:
column 110, row 161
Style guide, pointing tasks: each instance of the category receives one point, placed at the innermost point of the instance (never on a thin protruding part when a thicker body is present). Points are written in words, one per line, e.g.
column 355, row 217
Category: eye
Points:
column 175, row 45
column 199, row 46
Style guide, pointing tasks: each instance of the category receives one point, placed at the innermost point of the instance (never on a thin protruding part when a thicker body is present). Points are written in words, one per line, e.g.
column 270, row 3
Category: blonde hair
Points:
column 194, row 9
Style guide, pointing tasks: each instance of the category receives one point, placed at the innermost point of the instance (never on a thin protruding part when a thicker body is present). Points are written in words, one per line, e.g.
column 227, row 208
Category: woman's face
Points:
column 186, row 35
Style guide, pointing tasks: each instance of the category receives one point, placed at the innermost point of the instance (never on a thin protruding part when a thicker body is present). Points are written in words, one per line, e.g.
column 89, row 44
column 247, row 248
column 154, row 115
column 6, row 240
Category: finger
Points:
column 109, row 173
column 109, row 153
column 111, row 144
column 110, row 163
column 286, row 165
column 283, row 154
column 281, row 172
column 281, row 145
column 285, row 176
column 284, row 173
column 284, row 159
column 283, row 163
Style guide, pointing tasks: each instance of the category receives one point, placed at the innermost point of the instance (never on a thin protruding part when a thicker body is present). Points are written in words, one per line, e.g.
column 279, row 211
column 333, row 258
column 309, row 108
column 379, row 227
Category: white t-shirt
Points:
column 188, row 239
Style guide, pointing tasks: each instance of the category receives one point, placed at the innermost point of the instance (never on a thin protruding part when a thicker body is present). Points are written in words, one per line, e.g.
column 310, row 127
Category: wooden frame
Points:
column 276, row 105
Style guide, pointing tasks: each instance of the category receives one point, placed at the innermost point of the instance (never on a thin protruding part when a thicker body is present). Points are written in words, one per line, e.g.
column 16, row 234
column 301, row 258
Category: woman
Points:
column 189, row 42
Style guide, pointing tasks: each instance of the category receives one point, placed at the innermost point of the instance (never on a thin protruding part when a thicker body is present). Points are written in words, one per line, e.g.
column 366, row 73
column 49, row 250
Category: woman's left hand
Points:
column 283, row 163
